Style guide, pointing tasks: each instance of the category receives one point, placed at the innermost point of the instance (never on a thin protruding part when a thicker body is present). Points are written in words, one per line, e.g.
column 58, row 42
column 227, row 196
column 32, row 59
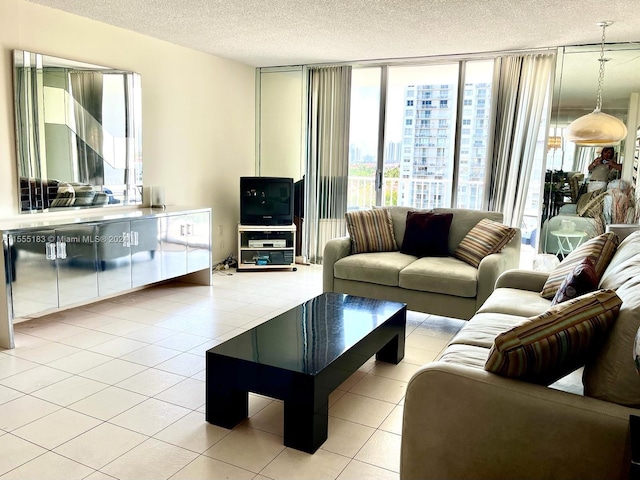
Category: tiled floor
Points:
column 116, row 390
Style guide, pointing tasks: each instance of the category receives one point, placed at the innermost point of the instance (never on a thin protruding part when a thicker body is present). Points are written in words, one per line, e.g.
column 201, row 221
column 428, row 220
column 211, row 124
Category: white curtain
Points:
column 523, row 88
column 327, row 158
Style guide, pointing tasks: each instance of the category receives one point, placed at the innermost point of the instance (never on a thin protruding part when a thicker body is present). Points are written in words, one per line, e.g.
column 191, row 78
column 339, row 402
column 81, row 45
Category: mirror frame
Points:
column 116, row 155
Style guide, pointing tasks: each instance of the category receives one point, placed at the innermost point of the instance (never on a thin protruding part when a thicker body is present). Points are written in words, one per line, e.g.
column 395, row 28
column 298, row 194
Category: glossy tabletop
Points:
column 309, row 337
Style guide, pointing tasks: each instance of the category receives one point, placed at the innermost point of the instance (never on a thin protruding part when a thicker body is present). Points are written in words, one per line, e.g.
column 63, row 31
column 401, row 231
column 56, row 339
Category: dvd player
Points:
column 273, row 243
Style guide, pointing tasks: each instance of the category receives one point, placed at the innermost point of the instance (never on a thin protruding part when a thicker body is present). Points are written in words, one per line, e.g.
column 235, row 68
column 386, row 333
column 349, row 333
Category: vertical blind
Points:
column 327, row 157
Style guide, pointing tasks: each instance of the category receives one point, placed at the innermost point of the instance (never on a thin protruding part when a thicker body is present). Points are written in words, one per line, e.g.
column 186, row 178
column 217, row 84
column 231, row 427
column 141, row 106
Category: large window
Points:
column 419, row 160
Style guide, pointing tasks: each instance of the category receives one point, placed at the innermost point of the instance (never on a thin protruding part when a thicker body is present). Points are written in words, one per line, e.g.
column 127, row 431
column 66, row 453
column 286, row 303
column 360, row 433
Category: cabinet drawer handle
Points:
column 182, row 230
column 189, row 228
column 61, row 247
column 50, row 251
column 134, row 239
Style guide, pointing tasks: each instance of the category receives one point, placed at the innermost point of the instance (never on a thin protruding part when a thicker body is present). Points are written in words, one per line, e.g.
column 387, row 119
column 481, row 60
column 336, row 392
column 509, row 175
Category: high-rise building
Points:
column 429, row 123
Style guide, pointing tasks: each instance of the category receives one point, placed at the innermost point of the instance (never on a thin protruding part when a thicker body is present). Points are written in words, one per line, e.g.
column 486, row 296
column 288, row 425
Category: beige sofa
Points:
column 438, row 285
column 461, row 421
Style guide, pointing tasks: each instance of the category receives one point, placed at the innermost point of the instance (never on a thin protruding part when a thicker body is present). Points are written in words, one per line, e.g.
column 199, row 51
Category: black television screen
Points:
column 266, row 201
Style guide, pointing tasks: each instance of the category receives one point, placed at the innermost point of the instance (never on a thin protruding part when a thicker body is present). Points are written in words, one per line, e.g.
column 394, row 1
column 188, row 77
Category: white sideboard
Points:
column 54, row 263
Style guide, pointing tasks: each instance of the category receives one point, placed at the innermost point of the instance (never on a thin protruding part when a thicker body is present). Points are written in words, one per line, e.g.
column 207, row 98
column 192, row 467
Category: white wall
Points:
column 198, row 110
column 281, row 123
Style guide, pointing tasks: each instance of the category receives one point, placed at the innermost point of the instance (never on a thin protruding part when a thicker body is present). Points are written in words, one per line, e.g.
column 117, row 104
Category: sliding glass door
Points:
column 424, row 157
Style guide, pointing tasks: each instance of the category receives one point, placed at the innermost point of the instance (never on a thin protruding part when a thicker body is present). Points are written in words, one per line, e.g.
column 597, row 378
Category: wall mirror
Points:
column 568, row 177
column 78, row 134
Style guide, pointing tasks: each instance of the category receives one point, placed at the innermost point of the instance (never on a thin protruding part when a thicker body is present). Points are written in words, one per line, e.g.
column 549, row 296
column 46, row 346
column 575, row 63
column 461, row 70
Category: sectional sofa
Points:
column 462, row 421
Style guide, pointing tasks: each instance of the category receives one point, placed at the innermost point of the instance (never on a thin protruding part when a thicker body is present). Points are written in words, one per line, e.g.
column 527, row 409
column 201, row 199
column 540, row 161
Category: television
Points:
column 266, row 201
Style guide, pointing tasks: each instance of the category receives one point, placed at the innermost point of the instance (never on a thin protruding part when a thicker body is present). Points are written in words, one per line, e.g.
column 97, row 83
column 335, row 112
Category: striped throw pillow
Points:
column 599, row 250
column 485, row 238
column 371, row 231
column 551, row 345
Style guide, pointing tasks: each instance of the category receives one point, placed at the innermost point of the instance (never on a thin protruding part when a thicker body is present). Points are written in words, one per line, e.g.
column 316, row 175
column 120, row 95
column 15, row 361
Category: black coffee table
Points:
column 300, row 357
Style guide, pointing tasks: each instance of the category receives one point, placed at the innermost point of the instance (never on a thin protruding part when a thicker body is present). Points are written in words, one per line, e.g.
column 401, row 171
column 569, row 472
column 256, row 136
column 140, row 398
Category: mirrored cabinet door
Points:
column 76, row 261
column 32, row 271
column 114, row 257
column 198, row 241
column 146, row 260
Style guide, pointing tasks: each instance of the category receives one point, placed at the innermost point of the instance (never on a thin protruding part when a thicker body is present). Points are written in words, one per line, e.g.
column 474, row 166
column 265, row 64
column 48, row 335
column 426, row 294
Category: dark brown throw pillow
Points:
column 583, row 279
column 427, row 234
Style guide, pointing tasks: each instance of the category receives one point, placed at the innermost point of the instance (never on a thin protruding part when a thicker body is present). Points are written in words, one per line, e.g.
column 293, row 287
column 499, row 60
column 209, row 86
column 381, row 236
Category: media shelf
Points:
column 266, row 247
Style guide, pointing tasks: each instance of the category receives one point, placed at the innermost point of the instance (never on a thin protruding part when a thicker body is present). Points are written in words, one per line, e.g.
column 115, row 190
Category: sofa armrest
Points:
column 334, row 250
column 493, row 265
column 464, row 422
column 522, row 280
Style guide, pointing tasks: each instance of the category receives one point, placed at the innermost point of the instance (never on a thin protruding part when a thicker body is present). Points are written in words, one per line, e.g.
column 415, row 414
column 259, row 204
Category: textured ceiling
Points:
column 294, row 32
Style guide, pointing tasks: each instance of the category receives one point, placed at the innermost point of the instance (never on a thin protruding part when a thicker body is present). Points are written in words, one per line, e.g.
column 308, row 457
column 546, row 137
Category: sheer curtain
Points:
column 87, row 90
column 524, row 86
column 327, row 157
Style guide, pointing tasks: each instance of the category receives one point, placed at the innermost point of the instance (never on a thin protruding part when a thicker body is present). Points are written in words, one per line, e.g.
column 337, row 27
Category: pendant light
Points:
column 597, row 128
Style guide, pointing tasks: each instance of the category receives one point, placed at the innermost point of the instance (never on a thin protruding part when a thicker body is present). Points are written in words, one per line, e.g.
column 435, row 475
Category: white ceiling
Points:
column 294, row 32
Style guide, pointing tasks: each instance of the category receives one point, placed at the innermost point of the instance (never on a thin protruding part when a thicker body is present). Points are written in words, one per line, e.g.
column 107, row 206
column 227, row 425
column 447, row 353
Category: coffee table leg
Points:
column 393, row 351
column 305, row 429
column 226, row 407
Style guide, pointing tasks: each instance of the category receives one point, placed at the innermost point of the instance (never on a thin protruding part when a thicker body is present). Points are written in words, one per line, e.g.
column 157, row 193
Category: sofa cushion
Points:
column 370, row 231
column 612, row 376
column 469, row 355
column 483, row 328
column 485, row 238
column 544, row 348
column 583, row 279
column 382, row 268
column 427, row 234
column 463, row 221
column 514, row 301
column 599, row 250
column 618, row 271
column 399, row 221
column 446, row 275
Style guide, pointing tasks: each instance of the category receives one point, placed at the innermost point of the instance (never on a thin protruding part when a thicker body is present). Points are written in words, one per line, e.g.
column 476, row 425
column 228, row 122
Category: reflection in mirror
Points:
column 78, row 129
column 587, row 188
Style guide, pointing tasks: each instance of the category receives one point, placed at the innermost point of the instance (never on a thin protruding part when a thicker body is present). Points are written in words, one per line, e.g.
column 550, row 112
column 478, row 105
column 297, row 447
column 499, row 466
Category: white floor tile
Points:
column 190, row 393
column 212, row 469
column 150, row 416
column 320, row 465
column 101, row 445
column 185, row 364
column 150, row 382
column 56, row 428
column 16, row 451
column 150, row 355
column 247, row 448
column 16, row 413
column 382, row 450
column 193, row 433
column 69, row 390
column 108, row 403
column 12, row 365
column 151, row 460
column 7, row 394
column 118, row 347
column 34, row 379
column 80, row 362
column 114, row 371
column 359, row 470
column 49, row 466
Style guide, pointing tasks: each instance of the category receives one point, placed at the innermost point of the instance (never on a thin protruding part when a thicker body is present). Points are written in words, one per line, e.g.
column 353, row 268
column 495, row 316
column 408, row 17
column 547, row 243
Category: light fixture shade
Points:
column 596, row 129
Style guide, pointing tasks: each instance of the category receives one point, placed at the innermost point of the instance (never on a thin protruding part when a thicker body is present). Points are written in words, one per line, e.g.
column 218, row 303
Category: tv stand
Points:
column 266, row 247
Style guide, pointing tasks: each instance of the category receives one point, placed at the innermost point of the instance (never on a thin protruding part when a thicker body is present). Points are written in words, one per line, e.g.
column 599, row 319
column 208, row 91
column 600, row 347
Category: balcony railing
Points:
column 411, row 192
